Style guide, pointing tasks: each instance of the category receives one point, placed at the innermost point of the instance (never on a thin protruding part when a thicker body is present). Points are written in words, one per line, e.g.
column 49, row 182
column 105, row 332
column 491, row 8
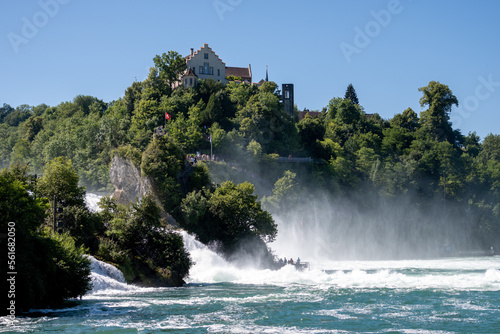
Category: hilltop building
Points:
column 206, row 64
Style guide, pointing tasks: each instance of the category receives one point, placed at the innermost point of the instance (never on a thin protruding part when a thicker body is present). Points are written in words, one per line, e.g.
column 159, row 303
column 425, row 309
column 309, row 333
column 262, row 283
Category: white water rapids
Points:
column 448, row 273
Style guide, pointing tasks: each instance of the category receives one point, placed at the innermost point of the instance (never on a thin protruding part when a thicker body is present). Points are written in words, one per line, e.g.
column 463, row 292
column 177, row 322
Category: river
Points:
column 449, row 295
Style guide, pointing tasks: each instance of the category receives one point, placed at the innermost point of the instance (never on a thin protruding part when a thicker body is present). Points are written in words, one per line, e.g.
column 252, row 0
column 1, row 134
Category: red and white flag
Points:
column 167, row 115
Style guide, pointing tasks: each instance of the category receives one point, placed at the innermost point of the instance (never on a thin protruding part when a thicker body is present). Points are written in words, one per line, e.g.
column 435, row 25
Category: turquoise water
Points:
column 451, row 295
column 455, row 295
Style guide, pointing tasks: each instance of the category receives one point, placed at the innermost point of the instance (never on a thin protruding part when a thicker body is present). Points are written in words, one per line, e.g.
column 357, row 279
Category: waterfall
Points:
column 91, row 201
column 105, row 277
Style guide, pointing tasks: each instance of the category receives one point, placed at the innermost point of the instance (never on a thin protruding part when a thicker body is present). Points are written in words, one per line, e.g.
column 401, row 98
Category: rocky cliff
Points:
column 129, row 184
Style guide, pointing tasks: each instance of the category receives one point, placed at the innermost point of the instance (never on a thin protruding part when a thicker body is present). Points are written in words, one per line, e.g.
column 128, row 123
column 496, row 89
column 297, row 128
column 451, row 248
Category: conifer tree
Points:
column 350, row 94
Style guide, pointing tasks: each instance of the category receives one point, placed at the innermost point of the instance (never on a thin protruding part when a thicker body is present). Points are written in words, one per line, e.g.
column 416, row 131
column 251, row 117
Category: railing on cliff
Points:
column 291, row 159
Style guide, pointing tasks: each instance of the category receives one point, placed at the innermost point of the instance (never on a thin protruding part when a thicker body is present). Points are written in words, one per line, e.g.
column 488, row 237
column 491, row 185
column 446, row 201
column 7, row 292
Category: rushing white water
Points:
column 106, row 278
column 91, row 201
column 449, row 273
column 452, row 273
column 448, row 295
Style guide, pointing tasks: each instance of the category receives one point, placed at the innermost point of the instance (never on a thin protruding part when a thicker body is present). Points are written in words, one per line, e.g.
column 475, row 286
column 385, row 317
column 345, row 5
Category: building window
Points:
column 201, row 69
column 205, row 68
column 211, row 71
column 205, row 55
column 287, row 94
column 193, row 70
column 190, row 81
column 218, row 72
column 185, row 82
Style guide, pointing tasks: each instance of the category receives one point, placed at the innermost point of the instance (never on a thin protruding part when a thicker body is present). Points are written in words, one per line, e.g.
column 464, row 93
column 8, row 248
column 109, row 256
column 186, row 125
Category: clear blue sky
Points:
column 386, row 49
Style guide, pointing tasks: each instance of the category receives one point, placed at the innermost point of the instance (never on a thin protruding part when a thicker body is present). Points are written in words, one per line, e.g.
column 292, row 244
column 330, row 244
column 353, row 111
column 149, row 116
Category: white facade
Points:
column 206, row 64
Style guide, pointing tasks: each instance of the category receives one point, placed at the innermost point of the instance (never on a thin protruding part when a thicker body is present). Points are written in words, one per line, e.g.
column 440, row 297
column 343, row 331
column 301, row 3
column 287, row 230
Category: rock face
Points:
column 127, row 180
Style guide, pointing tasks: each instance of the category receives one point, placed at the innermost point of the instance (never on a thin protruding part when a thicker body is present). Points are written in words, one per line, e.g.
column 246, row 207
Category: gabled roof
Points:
column 241, row 72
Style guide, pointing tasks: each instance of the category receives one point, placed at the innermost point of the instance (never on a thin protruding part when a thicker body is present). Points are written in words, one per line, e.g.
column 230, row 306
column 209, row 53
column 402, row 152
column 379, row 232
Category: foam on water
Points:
column 209, row 267
column 452, row 273
column 107, row 278
column 91, row 201
column 453, row 295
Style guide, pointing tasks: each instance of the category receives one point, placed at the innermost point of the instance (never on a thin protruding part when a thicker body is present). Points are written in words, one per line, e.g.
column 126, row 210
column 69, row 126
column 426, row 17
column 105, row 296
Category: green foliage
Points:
column 436, row 119
column 169, row 65
column 350, row 94
column 139, row 243
column 60, row 179
column 285, row 194
column 354, row 153
column 311, row 132
column 185, row 133
column 227, row 216
column 129, row 152
column 50, row 267
column 147, row 115
column 16, row 116
column 163, row 161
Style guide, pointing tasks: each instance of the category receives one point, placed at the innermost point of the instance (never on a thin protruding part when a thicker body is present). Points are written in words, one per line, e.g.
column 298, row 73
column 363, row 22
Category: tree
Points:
column 491, row 148
column 88, row 103
column 185, row 132
column 32, row 127
column 132, row 94
column 285, row 194
column 436, row 119
column 147, row 116
column 163, row 161
column 311, row 131
column 19, row 115
column 60, row 179
column 138, row 240
column 50, row 267
column 227, row 216
column 169, row 65
column 4, row 111
column 350, row 94
column 408, row 120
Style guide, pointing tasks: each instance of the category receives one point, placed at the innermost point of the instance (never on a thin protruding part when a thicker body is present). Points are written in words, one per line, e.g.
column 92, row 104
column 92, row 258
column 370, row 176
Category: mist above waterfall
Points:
column 369, row 226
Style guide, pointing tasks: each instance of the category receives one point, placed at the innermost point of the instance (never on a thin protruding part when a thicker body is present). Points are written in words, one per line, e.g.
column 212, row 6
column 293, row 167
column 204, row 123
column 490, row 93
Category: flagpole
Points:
column 211, row 153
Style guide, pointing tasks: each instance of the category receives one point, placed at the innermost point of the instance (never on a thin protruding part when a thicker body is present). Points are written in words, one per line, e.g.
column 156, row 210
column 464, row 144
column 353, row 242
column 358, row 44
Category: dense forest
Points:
column 407, row 185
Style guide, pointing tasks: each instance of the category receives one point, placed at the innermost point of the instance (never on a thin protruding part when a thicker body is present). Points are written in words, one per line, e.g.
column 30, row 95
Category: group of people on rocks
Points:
column 290, row 261
column 193, row 159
